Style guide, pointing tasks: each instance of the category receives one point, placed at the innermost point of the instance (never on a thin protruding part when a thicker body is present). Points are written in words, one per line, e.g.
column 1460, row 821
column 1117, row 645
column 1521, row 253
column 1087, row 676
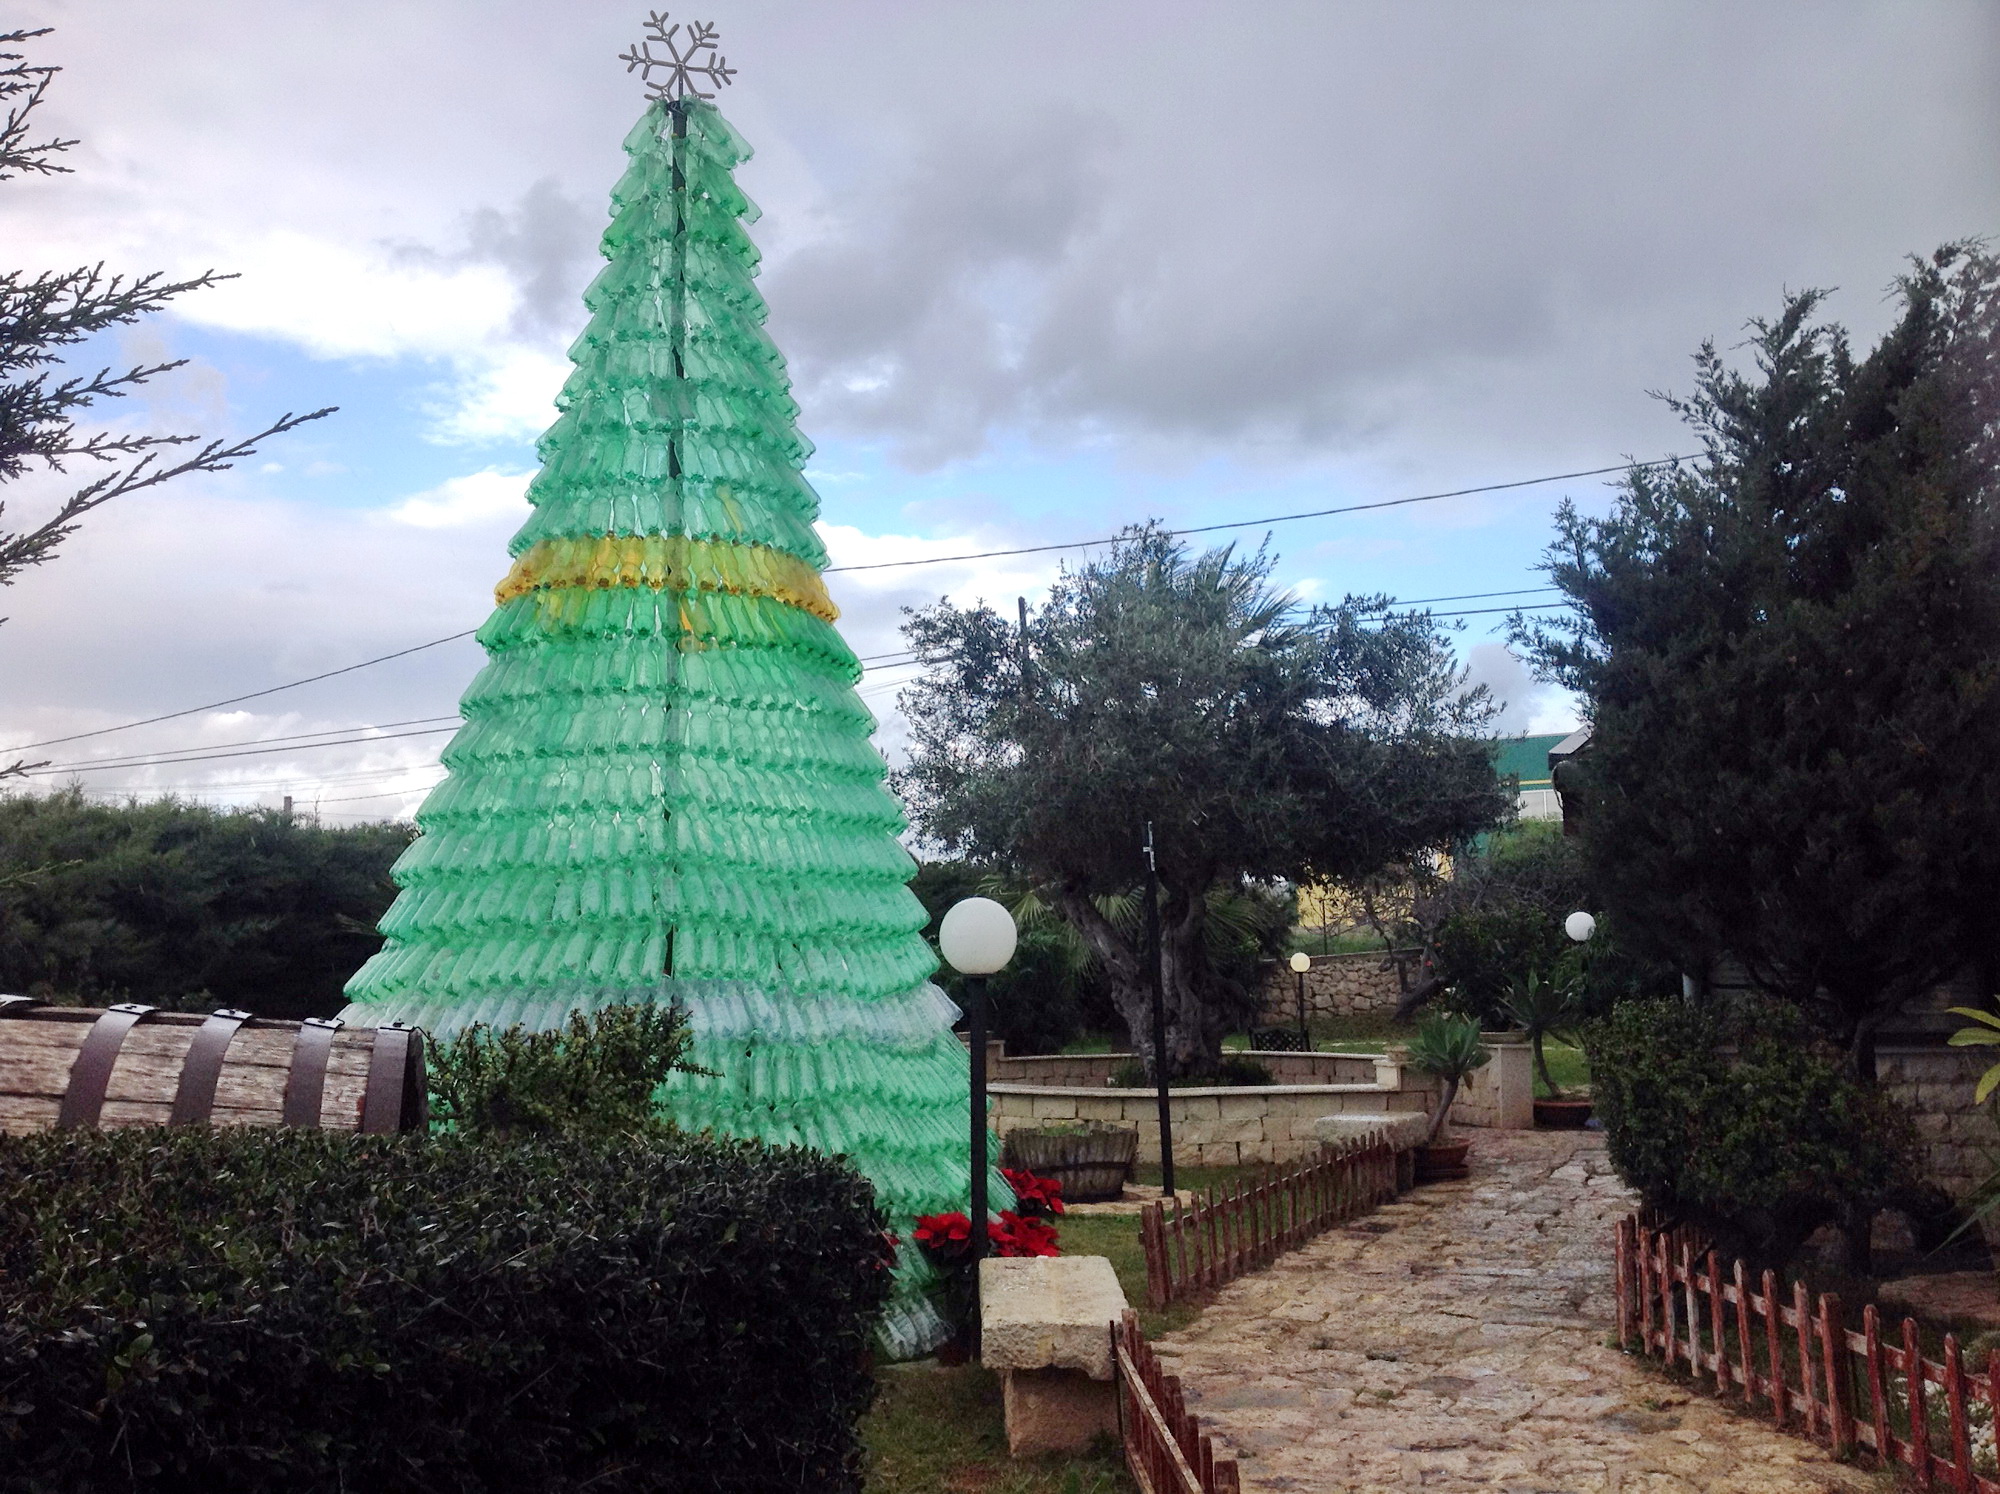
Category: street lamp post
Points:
column 1162, row 1098
column 977, row 937
column 1301, row 963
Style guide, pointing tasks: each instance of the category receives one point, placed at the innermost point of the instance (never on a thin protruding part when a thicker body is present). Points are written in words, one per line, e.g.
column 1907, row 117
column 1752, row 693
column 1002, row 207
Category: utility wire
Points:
column 879, row 565
column 216, row 705
column 93, row 767
column 1315, row 513
column 167, row 756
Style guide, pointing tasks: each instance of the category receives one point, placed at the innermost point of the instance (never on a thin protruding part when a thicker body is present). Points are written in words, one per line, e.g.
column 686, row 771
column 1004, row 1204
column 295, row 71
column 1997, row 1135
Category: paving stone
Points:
column 1463, row 1347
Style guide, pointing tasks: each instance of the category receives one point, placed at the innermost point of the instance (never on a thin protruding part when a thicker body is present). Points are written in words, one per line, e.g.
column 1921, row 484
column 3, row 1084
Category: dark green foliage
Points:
column 1262, row 739
column 1500, row 915
column 1544, row 1009
column 1447, row 1047
column 182, row 906
column 302, row 1313
column 1787, row 653
column 1231, row 1071
column 1735, row 1118
column 597, row 1075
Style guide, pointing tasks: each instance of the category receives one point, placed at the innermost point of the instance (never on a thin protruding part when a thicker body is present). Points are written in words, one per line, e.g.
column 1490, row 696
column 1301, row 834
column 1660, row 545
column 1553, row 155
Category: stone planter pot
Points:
column 1561, row 1115
column 1440, row 1162
column 1092, row 1161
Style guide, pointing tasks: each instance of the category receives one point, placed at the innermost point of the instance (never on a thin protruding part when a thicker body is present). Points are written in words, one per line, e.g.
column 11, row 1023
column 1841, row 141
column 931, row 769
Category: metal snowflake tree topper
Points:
column 689, row 57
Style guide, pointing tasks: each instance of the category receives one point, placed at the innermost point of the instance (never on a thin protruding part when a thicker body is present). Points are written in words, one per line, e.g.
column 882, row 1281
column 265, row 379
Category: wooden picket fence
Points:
column 1193, row 1248
column 1165, row 1447
column 1809, row 1370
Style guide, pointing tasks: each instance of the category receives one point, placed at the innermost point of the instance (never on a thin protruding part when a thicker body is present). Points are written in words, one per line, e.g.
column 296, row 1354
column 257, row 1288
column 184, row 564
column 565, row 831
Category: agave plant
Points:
column 1986, row 1035
column 1447, row 1048
column 1547, row 1009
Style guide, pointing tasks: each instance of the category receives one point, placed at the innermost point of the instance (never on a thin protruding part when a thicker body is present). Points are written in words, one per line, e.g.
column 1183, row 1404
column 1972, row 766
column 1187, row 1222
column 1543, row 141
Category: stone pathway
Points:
column 1458, row 1340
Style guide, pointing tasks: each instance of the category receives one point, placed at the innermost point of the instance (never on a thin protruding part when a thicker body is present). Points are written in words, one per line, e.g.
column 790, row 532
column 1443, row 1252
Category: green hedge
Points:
column 1736, row 1118
column 300, row 1312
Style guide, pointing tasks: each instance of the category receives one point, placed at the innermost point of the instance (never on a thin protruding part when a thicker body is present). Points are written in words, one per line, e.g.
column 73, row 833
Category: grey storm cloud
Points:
column 1429, row 217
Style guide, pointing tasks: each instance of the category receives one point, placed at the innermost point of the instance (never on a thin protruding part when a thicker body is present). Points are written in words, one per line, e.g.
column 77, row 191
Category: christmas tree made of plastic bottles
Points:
column 665, row 789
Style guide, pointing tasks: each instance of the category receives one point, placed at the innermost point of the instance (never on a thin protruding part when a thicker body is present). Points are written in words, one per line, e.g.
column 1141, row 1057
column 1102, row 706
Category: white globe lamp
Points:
column 977, row 936
column 1579, row 926
column 1301, row 962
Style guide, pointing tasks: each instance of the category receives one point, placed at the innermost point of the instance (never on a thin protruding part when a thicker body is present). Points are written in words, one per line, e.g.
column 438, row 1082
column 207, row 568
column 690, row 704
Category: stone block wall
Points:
column 1095, row 1069
column 1341, row 985
column 1502, row 1094
column 1935, row 1084
column 1216, row 1127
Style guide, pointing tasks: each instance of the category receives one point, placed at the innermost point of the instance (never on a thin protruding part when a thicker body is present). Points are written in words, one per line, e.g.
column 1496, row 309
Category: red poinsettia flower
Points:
column 943, row 1236
column 1015, row 1236
column 1036, row 1195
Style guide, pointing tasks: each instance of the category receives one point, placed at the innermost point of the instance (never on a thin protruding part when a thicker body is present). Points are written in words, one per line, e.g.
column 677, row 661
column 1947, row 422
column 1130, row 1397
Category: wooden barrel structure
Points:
column 78, row 1068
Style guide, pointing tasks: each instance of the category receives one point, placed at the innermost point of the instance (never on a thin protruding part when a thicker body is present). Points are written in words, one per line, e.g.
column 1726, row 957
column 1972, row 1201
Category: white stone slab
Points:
column 1049, row 1312
column 1404, row 1130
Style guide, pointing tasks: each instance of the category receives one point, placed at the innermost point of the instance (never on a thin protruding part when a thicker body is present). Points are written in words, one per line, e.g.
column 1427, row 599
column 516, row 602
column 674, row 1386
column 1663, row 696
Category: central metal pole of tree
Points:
column 975, row 1013
column 1153, row 953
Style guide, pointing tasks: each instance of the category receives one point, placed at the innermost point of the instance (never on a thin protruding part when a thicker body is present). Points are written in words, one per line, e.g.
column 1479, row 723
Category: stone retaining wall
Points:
column 1218, row 1127
column 1961, row 1142
column 1095, row 1069
column 1341, row 985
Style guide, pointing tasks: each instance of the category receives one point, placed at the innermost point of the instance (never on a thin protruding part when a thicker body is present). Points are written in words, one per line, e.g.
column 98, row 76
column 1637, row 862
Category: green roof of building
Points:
column 1526, row 758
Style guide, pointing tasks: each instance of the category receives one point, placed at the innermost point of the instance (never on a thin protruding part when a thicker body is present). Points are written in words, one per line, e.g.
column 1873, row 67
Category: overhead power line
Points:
column 1314, row 513
column 216, row 705
column 204, row 757
column 1317, row 513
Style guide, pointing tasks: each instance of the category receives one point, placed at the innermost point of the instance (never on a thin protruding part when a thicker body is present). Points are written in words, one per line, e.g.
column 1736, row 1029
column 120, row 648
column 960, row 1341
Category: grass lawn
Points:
column 1567, row 1066
column 940, row 1431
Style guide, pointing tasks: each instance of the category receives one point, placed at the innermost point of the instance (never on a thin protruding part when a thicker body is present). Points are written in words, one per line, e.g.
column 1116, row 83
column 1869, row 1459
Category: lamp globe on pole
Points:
column 977, row 937
column 1579, row 926
column 1301, row 962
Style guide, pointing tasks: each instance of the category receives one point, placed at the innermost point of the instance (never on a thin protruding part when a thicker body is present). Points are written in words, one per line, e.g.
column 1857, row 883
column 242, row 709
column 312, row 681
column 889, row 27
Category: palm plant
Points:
column 1544, row 1009
column 1447, row 1048
column 1985, row 1036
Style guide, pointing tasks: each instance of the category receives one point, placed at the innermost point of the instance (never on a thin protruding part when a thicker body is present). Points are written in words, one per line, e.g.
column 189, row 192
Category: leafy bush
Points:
column 1231, row 1071
column 297, row 1312
column 597, row 1075
column 186, row 907
column 1737, row 1119
column 1500, row 915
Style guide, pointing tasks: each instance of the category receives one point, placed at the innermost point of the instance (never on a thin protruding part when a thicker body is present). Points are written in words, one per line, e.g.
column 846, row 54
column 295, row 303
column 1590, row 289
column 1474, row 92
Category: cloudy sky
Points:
column 1041, row 270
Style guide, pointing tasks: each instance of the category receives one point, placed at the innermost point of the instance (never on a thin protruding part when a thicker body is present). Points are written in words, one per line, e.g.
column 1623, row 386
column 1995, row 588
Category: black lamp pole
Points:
column 975, row 1008
column 1159, row 1019
column 1305, row 1042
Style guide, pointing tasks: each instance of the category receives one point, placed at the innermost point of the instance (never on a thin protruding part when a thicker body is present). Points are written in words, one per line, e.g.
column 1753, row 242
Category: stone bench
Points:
column 1405, row 1132
column 1045, row 1326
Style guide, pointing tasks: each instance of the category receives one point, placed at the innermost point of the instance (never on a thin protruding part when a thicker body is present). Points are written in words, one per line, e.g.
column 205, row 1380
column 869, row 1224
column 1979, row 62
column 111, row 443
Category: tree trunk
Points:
column 1194, row 1023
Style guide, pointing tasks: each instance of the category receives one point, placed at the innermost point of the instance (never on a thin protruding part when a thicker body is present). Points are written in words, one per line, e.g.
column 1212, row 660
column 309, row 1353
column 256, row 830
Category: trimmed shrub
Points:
column 1737, row 1119
column 302, row 1312
column 598, row 1074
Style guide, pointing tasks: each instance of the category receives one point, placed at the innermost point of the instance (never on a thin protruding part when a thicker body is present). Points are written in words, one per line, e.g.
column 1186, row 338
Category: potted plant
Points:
column 1092, row 1160
column 1544, row 1009
column 1447, row 1048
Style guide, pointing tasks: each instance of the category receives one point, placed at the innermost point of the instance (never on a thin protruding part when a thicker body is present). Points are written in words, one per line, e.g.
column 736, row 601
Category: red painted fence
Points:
column 1801, row 1361
column 1195, row 1248
column 1165, row 1446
